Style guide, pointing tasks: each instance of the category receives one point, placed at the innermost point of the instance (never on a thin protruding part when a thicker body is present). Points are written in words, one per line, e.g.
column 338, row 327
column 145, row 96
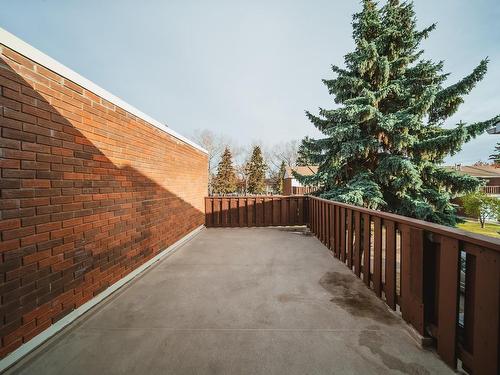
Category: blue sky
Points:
column 247, row 69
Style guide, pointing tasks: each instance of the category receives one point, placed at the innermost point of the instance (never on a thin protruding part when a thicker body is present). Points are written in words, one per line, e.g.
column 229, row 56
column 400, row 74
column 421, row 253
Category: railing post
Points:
column 486, row 313
column 331, row 213
column 208, row 212
column 390, row 263
column 342, row 234
column 377, row 255
column 242, row 212
column 349, row 239
column 357, row 243
column 448, row 300
column 412, row 284
column 367, row 229
column 234, row 217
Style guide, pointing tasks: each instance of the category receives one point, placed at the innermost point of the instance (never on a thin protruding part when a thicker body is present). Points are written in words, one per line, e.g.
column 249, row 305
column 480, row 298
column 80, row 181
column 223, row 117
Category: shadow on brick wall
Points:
column 73, row 223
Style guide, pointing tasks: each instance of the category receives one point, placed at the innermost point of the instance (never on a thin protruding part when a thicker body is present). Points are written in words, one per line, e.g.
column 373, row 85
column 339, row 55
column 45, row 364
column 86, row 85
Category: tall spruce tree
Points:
column 256, row 172
column 384, row 143
column 495, row 157
column 225, row 180
column 303, row 153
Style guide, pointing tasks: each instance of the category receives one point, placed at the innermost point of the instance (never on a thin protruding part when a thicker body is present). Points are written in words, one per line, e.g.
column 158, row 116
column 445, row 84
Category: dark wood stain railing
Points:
column 445, row 282
column 255, row 211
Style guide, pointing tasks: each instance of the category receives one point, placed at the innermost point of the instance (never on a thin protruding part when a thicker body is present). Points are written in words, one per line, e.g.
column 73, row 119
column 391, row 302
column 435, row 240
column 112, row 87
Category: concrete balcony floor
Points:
column 239, row 301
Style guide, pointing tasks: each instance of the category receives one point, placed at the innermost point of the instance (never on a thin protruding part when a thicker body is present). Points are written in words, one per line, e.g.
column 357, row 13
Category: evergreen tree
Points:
column 384, row 143
column 280, row 178
column 304, row 154
column 225, row 180
column 256, row 172
column 496, row 155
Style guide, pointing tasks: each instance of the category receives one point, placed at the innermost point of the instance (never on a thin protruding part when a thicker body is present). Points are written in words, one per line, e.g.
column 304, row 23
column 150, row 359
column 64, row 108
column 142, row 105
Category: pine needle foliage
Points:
column 384, row 143
column 256, row 170
column 225, row 180
column 495, row 157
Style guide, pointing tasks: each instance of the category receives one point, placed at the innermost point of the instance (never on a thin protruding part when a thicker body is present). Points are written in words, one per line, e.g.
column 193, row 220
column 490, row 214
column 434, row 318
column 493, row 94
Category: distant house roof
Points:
column 305, row 170
column 482, row 171
column 495, row 129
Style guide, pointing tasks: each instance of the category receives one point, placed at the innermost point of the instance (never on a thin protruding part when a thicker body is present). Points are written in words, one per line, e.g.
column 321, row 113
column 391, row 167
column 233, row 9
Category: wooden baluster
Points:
column 342, row 234
column 300, row 211
column 251, row 212
column 377, row 256
column 390, row 264
column 225, row 212
column 208, row 213
column 366, row 248
column 349, row 239
column 216, row 211
column 486, row 313
column 357, row 243
column 234, row 212
column 330, row 226
column 448, row 300
column 412, row 284
column 276, row 211
column 242, row 212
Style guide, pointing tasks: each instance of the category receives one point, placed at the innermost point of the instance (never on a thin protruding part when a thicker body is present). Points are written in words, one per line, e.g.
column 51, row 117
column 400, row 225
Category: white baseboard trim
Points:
column 36, row 341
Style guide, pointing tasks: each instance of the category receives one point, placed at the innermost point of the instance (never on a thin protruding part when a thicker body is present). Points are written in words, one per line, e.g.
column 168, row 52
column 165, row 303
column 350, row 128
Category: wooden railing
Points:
column 494, row 190
column 303, row 190
column 444, row 281
column 255, row 211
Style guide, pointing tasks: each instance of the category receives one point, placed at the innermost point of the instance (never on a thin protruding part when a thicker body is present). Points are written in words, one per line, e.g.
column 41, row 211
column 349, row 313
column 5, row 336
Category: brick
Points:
column 17, row 173
column 33, row 202
column 10, row 163
column 9, row 245
column 20, row 116
column 10, row 224
column 36, row 238
column 36, row 257
column 18, row 233
column 35, row 183
column 28, row 164
column 10, row 143
column 18, row 135
column 75, row 217
column 20, row 59
column 61, row 233
column 9, row 184
column 20, row 155
column 48, row 74
column 36, row 147
column 17, row 212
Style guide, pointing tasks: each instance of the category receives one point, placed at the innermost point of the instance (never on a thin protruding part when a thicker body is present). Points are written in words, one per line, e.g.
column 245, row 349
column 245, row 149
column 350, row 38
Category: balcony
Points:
column 491, row 190
column 240, row 301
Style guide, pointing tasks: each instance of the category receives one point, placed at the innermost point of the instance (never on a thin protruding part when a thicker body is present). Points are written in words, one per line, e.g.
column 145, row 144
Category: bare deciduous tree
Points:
column 215, row 145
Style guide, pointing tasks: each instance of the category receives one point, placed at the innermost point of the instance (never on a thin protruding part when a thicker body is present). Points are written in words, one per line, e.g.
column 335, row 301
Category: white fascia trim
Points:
column 39, row 339
column 20, row 46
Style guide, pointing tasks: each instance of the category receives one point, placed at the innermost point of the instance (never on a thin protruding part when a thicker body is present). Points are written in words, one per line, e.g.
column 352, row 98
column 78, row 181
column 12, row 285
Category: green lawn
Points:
column 488, row 230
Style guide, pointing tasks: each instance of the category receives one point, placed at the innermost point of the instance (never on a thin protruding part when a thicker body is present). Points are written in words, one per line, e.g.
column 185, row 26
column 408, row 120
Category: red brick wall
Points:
column 88, row 193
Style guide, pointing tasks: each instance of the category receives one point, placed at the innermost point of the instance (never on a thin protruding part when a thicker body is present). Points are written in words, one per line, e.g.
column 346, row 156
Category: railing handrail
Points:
column 459, row 234
column 445, row 281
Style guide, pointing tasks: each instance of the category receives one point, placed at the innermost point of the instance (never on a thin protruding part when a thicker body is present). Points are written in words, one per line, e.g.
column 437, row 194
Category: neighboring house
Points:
column 241, row 187
column 495, row 129
column 293, row 187
column 488, row 173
